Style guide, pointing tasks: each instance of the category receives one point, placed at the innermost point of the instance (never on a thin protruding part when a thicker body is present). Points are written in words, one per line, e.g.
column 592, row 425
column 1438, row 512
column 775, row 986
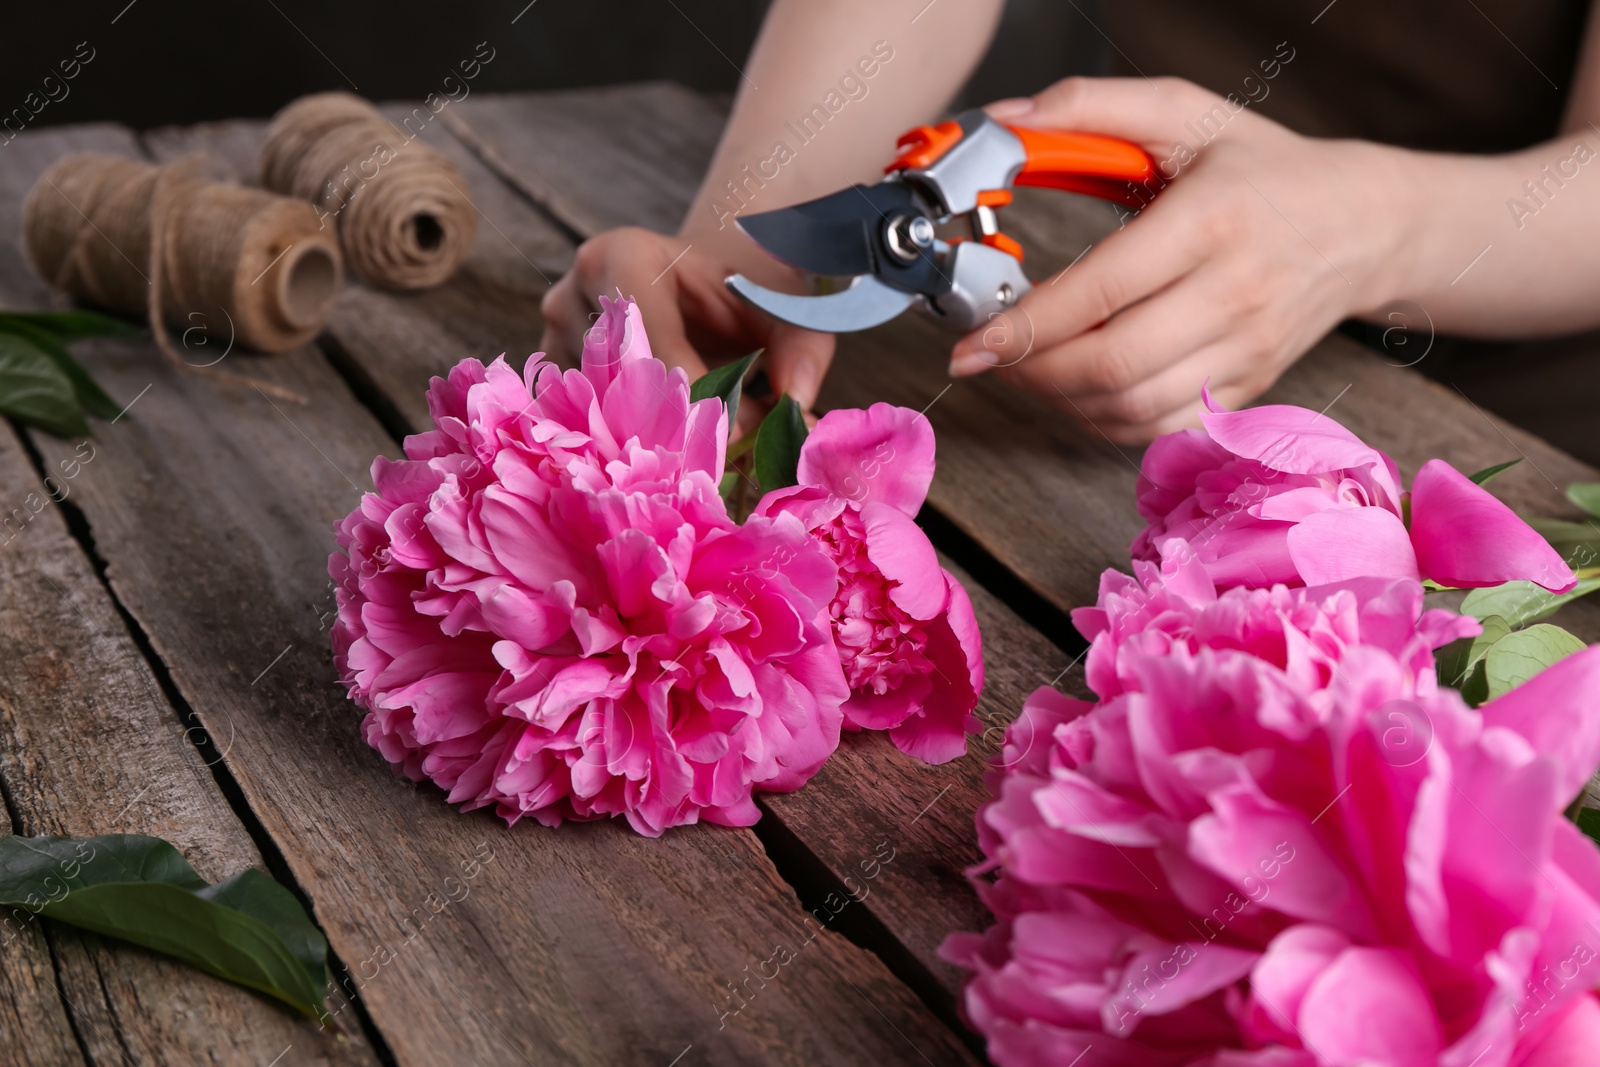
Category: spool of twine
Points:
column 241, row 264
column 402, row 211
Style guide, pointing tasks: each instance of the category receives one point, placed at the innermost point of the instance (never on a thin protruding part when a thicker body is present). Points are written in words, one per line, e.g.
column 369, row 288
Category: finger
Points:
column 1150, row 111
column 1124, row 268
column 1167, row 402
column 635, row 264
column 560, row 308
column 1137, row 345
column 797, row 361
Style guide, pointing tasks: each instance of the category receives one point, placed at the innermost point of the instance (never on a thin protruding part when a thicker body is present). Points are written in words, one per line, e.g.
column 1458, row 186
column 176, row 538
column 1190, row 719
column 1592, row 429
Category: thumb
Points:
column 797, row 360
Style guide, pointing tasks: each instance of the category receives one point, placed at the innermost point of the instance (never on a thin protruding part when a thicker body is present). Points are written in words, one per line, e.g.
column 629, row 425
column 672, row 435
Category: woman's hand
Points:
column 693, row 318
column 1261, row 242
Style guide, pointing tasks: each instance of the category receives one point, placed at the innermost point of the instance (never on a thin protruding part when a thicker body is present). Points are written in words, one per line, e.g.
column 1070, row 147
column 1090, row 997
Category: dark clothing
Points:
column 1479, row 76
column 1452, row 75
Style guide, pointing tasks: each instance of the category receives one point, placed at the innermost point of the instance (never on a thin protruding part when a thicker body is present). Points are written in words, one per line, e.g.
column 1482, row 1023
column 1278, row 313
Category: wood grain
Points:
column 870, row 791
column 90, row 745
column 211, row 506
column 34, row 1028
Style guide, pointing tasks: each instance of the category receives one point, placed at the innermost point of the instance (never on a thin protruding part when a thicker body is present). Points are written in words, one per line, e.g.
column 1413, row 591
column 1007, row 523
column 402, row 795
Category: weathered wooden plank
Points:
column 34, row 1027
column 89, row 745
column 870, row 792
column 1051, row 502
column 211, row 506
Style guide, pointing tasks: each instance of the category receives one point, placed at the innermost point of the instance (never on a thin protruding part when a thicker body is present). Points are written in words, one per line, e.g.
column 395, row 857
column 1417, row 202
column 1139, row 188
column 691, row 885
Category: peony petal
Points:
column 1344, row 543
column 882, row 454
column 1369, row 1006
column 903, row 554
column 1272, row 852
column 1291, row 439
column 1568, row 1040
column 1170, row 467
column 617, row 337
column 1464, row 537
column 1162, row 980
column 1554, row 710
column 1279, row 982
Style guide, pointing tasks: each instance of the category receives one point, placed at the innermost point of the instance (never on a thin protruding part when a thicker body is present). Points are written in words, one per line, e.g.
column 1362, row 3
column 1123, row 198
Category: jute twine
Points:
column 403, row 215
column 241, row 264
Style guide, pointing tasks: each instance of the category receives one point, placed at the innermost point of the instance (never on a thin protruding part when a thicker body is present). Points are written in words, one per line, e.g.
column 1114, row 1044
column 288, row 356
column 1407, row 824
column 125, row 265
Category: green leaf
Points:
column 726, row 383
column 730, row 484
column 1588, row 821
column 1460, row 664
column 1586, row 495
column 1577, row 542
column 1521, row 603
column 248, row 930
column 1519, row 656
column 93, row 398
column 36, row 391
column 69, row 325
column 1479, row 477
column 778, row 441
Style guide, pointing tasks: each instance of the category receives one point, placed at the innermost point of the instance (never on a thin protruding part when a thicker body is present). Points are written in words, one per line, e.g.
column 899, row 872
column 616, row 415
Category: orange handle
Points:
column 1088, row 163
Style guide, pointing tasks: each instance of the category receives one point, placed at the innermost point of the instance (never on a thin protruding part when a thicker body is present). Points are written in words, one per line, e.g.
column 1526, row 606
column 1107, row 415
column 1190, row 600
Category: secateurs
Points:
column 885, row 238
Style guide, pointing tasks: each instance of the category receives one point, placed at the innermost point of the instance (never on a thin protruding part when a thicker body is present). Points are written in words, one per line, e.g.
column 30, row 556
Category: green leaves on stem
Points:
column 40, row 383
column 773, row 450
column 726, row 383
column 778, row 441
column 248, row 930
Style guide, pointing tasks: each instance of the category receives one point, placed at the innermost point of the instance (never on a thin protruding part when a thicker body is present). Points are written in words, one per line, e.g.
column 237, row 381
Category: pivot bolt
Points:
column 908, row 236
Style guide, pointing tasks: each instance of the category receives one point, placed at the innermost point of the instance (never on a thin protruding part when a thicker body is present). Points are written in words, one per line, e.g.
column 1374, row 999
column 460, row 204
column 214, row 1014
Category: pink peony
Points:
column 1303, row 632
column 904, row 627
column 1278, row 844
column 1281, row 494
column 545, row 607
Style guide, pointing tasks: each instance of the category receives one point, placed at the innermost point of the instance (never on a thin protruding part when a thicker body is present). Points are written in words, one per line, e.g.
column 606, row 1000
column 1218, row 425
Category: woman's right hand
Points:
column 693, row 319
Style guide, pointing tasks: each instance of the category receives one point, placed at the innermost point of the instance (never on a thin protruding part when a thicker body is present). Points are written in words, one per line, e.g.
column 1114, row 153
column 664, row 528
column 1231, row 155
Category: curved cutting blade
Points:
column 865, row 304
column 835, row 234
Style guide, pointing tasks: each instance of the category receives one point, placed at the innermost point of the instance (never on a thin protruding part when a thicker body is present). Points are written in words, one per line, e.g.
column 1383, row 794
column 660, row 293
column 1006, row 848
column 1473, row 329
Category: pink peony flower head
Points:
column 1235, row 860
column 545, row 607
column 1303, row 632
column 1281, row 494
column 905, row 630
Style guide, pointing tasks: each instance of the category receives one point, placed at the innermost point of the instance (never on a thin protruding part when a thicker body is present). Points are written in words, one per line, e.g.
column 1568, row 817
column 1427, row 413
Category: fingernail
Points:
column 1010, row 108
column 803, row 385
column 970, row 363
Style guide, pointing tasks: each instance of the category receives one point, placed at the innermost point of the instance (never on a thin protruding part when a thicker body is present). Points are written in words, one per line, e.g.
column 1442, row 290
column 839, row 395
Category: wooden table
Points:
column 166, row 665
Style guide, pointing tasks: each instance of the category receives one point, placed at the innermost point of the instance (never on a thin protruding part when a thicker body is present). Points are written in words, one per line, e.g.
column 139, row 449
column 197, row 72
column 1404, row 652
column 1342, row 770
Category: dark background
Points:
column 158, row 62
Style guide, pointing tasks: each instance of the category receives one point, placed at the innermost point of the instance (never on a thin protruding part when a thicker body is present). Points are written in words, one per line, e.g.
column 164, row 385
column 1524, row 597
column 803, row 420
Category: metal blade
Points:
column 836, row 234
column 865, row 304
